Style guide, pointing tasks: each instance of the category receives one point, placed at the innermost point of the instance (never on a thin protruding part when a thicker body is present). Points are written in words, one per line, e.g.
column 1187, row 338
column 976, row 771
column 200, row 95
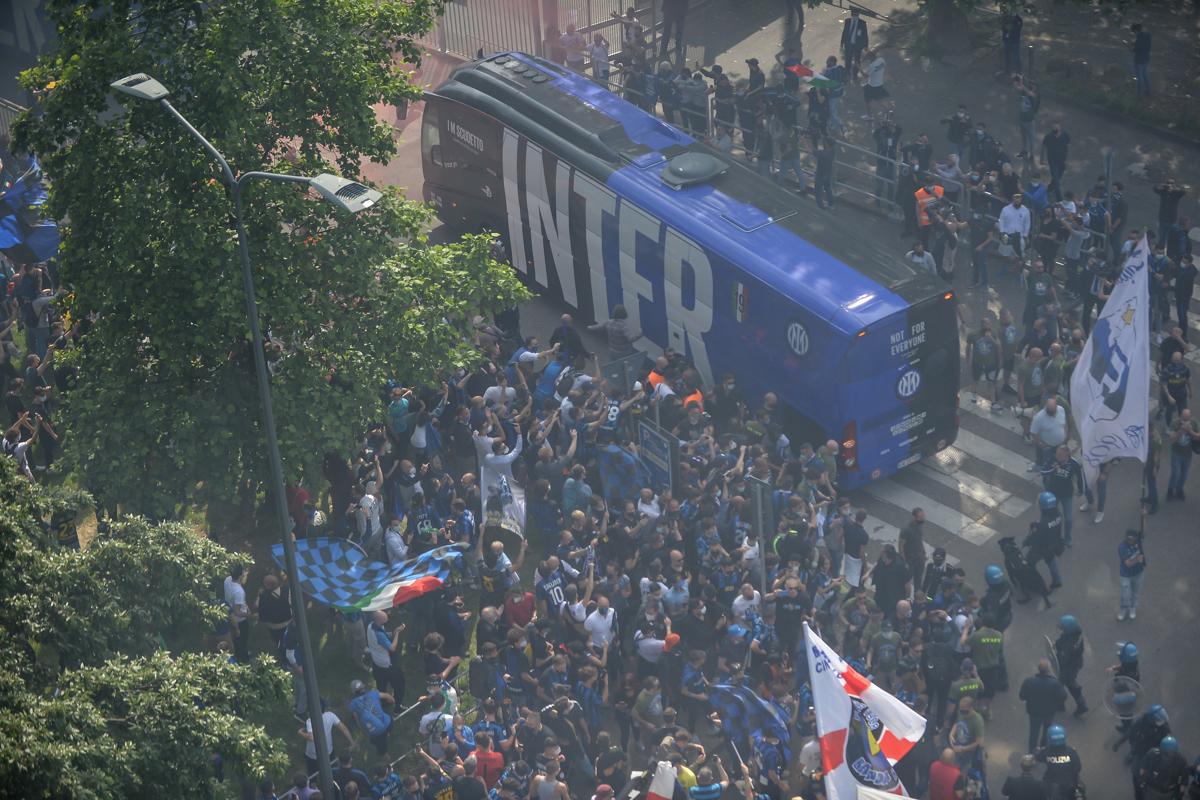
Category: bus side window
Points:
column 431, row 144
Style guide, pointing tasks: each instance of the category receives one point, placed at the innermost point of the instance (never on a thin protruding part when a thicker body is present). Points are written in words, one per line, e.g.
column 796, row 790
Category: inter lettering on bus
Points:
column 547, row 216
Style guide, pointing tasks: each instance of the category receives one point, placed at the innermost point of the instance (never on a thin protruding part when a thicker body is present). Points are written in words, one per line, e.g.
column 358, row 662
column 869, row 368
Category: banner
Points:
column 863, row 730
column 1110, row 387
column 503, row 500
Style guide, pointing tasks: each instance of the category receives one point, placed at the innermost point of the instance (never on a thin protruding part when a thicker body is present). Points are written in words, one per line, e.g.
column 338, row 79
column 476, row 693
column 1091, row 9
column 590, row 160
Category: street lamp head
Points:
column 346, row 194
column 141, row 86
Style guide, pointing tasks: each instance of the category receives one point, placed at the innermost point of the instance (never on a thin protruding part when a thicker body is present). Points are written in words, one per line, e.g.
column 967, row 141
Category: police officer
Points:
column 1162, row 773
column 1145, row 732
column 1069, row 650
column 996, row 605
column 1062, row 764
column 1045, row 539
column 1126, row 667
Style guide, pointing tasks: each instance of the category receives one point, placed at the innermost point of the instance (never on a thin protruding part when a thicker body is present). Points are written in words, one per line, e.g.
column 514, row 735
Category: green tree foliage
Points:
column 165, row 400
column 88, row 706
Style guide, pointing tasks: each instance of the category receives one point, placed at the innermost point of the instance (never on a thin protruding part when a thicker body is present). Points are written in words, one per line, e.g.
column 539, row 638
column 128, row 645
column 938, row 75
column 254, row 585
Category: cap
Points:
column 968, row 666
column 752, row 61
column 528, row 357
column 637, row 386
column 672, row 641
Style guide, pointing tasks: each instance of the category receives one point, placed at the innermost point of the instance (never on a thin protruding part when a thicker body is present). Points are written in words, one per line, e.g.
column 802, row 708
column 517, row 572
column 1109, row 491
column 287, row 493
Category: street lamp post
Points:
column 349, row 196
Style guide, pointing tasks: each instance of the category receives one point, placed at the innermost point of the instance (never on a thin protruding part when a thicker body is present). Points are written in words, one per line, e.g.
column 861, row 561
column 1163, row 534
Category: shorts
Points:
column 987, row 373
column 992, row 678
column 873, row 93
column 1010, row 361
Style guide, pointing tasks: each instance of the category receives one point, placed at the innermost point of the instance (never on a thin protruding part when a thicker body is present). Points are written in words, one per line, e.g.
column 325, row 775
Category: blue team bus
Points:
column 601, row 203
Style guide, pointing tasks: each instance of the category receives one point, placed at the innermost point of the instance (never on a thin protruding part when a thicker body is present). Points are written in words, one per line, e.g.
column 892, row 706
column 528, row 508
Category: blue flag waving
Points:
column 337, row 573
column 25, row 236
column 747, row 717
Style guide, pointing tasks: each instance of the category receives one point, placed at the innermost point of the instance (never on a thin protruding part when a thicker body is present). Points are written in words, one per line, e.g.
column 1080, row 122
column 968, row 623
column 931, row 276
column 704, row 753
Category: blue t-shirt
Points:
column 1126, row 551
column 369, row 713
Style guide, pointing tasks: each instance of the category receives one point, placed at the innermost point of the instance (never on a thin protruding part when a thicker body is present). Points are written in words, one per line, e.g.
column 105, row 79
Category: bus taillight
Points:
column 850, row 446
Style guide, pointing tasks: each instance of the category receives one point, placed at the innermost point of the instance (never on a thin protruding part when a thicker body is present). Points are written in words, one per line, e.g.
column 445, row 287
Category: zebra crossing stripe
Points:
column 1002, row 458
column 882, row 532
column 979, row 490
column 948, row 519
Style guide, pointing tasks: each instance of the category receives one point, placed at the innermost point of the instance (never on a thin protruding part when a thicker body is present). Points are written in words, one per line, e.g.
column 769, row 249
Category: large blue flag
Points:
column 337, row 573
column 25, row 236
column 622, row 473
column 747, row 717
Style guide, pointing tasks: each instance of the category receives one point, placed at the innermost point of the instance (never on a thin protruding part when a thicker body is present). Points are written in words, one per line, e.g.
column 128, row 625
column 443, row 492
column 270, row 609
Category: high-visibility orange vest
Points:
column 654, row 379
column 924, row 198
column 696, row 397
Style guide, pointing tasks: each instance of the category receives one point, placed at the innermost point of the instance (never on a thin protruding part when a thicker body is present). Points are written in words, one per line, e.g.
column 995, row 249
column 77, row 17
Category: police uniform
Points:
column 1062, row 770
column 1068, row 648
column 1159, row 775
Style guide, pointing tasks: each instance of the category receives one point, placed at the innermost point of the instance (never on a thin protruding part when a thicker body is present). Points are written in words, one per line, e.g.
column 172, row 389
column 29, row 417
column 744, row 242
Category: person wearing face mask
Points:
column 958, row 130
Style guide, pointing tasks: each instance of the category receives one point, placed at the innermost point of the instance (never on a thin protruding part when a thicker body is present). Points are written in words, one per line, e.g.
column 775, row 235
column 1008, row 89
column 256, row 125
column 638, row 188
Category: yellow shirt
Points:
column 686, row 778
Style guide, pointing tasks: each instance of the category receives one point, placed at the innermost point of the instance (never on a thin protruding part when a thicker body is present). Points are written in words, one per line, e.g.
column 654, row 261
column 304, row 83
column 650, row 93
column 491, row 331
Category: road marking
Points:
column 977, row 489
column 983, row 409
column 880, row 531
column 1000, row 457
column 948, row 519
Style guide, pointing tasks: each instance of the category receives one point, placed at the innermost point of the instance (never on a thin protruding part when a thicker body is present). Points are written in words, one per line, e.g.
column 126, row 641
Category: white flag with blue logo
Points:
column 1110, row 387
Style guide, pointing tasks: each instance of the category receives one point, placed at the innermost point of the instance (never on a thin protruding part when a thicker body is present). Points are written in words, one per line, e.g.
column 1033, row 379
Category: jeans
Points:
column 1171, row 409
column 835, row 122
column 1100, row 496
column 1141, row 73
column 979, row 273
column 1180, row 464
column 823, row 189
column 835, row 561
column 1182, row 305
column 1068, row 512
column 1012, row 56
column 1131, row 590
column 1055, row 187
column 791, row 163
column 1027, row 141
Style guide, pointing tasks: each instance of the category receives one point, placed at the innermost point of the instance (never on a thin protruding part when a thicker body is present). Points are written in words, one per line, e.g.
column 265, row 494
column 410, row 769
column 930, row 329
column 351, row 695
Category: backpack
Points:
column 565, row 382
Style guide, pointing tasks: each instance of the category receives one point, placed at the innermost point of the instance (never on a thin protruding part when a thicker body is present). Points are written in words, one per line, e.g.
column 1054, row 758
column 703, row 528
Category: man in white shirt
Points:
column 500, row 395
column 921, row 258
column 1049, row 430
column 648, row 504
column 329, row 721
column 748, row 600
column 1015, row 222
column 239, row 613
column 599, row 624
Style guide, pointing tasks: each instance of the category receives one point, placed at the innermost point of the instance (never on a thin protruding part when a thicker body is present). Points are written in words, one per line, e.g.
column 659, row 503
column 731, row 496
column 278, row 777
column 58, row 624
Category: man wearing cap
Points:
column 365, row 705
column 1025, row 786
column 966, row 685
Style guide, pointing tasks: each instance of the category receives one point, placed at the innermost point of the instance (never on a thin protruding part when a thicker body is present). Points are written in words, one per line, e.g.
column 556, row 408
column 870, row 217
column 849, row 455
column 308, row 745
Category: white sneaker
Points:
column 1098, row 518
column 1083, row 506
column 1121, row 615
column 1133, row 613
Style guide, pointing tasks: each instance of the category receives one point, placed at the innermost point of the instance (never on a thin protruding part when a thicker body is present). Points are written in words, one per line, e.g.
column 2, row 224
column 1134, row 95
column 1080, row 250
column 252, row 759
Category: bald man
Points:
column 1043, row 695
